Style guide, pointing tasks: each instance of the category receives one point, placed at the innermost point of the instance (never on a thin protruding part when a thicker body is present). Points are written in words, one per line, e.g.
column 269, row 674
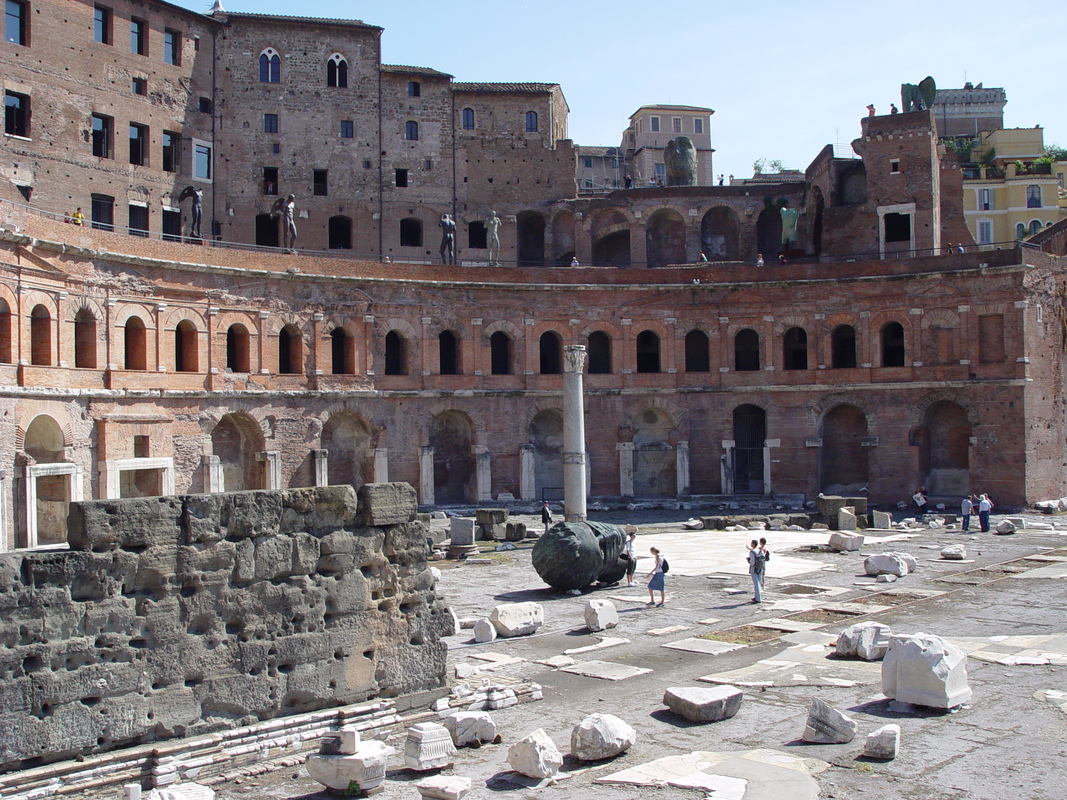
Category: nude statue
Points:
column 287, row 209
column 789, row 224
column 492, row 239
column 196, row 211
column 448, row 239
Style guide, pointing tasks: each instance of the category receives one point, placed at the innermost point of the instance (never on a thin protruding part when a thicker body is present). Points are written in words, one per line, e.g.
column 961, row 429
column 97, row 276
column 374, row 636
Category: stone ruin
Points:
column 183, row 615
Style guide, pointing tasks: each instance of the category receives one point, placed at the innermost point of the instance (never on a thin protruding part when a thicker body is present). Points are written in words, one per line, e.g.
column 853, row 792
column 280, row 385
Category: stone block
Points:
column 484, row 631
column 491, row 516
column 827, row 725
column 883, row 743
column 925, row 670
column 470, row 728
column 383, row 504
column 886, row 563
column 365, row 768
column 517, row 619
column 535, row 756
column 515, row 532
column 886, row 578
column 846, row 542
column 700, row 704
column 318, row 510
column 846, row 519
column 954, row 552
column 601, row 736
column 865, row 640
column 881, row 519
column 444, row 787
column 1005, row 527
column 428, row 746
column 858, row 505
column 828, row 504
column 462, row 530
column 496, row 532
column 182, row 791
column 600, row 615
column 140, row 522
column 497, row 697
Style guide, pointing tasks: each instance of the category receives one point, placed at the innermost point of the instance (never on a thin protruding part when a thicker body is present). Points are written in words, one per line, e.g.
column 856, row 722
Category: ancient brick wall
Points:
column 181, row 615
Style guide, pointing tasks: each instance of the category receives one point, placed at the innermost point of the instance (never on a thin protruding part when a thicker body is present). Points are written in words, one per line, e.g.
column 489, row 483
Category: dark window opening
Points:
column 898, row 227
column 270, row 123
column 270, row 68
column 16, row 114
column 172, row 225
column 40, row 337
column 319, row 182
column 697, row 358
column 401, row 178
column 268, row 230
column 171, row 157
column 101, row 136
column 341, row 352
column 843, row 347
column 411, row 232
column 414, row 89
column 647, row 352
column 531, row 122
column 795, row 349
column 205, row 105
column 746, row 351
column 270, row 180
column 138, row 144
column 396, row 362
column 599, row 351
column 135, row 345
column 289, row 356
column 468, row 119
column 102, row 212
column 237, row 348
column 551, row 353
column 448, row 357
column 138, row 225
column 138, row 36
column 348, row 129
column 172, row 46
column 85, row 339
column 102, row 24
column 892, row 345
column 337, row 73
column 139, row 86
column 500, row 348
column 339, row 230
column 411, row 131
column 477, row 236
column 185, row 347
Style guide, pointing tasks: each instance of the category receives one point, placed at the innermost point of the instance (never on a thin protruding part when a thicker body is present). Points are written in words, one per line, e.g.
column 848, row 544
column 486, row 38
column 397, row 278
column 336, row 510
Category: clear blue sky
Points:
column 784, row 78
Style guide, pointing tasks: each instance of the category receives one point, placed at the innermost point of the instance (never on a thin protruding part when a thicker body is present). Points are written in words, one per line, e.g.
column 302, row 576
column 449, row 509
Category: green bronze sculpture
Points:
column 918, row 98
column 680, row 159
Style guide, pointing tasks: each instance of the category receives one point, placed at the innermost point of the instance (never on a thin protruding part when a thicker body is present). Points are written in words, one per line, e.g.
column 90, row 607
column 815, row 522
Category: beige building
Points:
column 651, row 127
column 599, row 170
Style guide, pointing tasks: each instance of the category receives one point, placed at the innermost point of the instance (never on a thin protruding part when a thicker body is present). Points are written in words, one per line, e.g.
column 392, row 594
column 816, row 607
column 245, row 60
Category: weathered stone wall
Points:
column 174, row 616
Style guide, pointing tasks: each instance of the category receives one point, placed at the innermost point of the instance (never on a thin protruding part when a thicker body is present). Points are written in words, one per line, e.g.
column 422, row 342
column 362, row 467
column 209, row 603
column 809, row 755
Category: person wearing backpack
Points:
column 656, row 580
column 757, row 566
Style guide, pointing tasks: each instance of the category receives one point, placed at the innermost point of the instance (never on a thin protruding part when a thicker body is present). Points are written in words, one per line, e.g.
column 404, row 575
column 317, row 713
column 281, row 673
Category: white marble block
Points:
column 700, row 704
column 461, row 530
column 517, row 619
column 846, row 542
column 954, row 552
column 883, row 743
column 366, row 767
column 535, row 756
column 865, row 640
column 886, row 564
column 600, row 615
column 484, row 631
column 925, row 670
column 444, row 787
column 470, row 728
column 600, row 736
column 827, row 725
column 429, row 746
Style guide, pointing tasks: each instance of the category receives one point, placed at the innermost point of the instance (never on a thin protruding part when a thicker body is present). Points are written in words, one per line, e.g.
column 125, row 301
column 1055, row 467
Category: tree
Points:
column 1056, row 153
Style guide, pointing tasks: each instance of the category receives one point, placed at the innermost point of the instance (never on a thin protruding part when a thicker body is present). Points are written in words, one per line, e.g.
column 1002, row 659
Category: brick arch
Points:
column 211, row 417
column 476, row 419
column 946, row 318
column 58, row 416
column 548, row 404
column 610, row 328
column 736, row 327
column 36, row 298
column 918, row 409
column 792, row 321
column 600, row 226
column 122, row 313
column 172, row 316
column 683, row 327
column 562, row 328
column 73, row 305
column 679, row 416
column 401, row 326
column 825, row 404
column 9, row 297
column 508, row 327
column 223, row 321
column 275, row 323
column 992, row 308
column 439, row 326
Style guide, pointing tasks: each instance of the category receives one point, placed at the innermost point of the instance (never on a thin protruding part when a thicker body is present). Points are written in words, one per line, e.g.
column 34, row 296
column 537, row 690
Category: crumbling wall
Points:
column 181, row 615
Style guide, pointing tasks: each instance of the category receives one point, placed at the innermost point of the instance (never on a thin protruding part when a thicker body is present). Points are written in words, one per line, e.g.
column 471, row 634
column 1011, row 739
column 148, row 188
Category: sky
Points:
column 784, row 78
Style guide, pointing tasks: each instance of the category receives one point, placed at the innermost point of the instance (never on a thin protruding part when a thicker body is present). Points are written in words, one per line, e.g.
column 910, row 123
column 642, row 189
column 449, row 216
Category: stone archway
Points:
column 51, row 482
column 750, row 434
column 655, row 467
column 843, row 464
column 665, row 238
column 451, row 436
column 720, row 235
column 944, row 449
column 612, row 250
column 769, row 233
column 546, row 438
column 349, row 446
column 531, row 244
column 237, row 442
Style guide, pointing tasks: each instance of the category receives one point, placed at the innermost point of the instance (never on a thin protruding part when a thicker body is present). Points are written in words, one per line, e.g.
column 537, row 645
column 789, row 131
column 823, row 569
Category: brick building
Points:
column 140, row 365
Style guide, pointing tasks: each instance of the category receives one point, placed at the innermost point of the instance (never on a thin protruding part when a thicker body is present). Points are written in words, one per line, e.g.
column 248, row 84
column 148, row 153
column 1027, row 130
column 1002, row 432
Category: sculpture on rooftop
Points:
column 448, row 239
column 196, row 211
column 287, row 209
column 680, row 159
column 918, row 98
column 492, row 238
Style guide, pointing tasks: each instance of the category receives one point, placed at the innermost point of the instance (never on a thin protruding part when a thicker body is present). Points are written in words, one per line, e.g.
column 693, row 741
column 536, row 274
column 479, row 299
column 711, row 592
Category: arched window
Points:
column 270, row 66
column 85, row 339
column 411, row 130
column 551, row 352
column 237, row 348
column 448, row 353
column 1020, row 231
column 414, row 89
column 339, row 229
column 892, row 345
column 468, row 119
column 599, row 353
column 1033, row 196
column 185, row 349
column 341, row 352
column 500, row 353
column 135, row 344
column 396, row 361
column 411, row 232
column 337, row 71
column 696, row 351
column 289, row 355
column 746, row 351
column 647, row 352
column 795, row 349
column 5, row 333
column 843, row 347
column 1035, row 226
column 40, row 336
column 531, row 122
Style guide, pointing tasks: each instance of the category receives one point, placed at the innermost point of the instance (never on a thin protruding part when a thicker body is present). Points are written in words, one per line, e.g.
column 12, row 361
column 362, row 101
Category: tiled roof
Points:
column 348, row 23
column 673, row 108
column 403, row 69
column 587, row 150
column 526, row 88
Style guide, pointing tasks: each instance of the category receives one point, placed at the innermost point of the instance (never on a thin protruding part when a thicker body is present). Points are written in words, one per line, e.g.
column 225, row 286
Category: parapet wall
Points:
column 182, row 615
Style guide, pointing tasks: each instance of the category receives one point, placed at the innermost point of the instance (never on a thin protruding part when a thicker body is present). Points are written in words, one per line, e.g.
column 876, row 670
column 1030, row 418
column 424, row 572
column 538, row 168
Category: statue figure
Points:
column 680, row 158
column 448, row 240
column 789, row 224
column 918, row 98
column 196, row 212
column 573, row 555
column 492, row 239
column 287, row 209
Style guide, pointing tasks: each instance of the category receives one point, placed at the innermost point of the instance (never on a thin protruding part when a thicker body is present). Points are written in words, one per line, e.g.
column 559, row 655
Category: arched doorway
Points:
column 750, row 433
column 52, row 488
column 843, row 458
column 563, row 238
column 719, row 235
column 348, row 441
column 531, row 239
column 546, row 436
column 237, row 441
column 769, row 232
column 452, row 437
column 655, row 463
column 665, row 238
column 267, row 230
column 944, row 449
column 612, row 250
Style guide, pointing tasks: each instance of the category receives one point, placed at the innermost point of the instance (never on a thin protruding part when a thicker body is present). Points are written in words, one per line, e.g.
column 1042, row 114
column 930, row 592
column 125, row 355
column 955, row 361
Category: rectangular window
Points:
column 201, row 161
column 614, row 163
column 270, row 123
column 102, row 212
column 102, row 24
column 172, row 46
column 991, row 339
column 138, row 144
column 698, row 126
column 1033, row 196
column 171, row 152
column 985, row 201
column 401, row 177
column 661, row 171
column 138, row 36
column 897, row 227
column 348, row 129
column 270, row 180
column 172, row 225
column 427, row 164
column 138, row 221
column 139, row 86
column 588, row 183
column 206, row 106
column 985, row 232
column 102, row 127
column 894, row 166
column 319, row 182
column 16, row 22
column 588, row 163
column 16, row 114
column 276, row 148
column 654, row 123
column 676, row 124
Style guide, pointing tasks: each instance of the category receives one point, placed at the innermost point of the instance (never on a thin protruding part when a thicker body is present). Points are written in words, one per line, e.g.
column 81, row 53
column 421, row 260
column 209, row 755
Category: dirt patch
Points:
column 889, row 599
column 745, row 634
column 1033, row 563
column 823, row 616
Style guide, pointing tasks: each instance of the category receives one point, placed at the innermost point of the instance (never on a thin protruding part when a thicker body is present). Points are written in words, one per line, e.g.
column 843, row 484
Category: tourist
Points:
column 985, row 505
column 574, row 261
column 628, row 182
column 721, row 179
column 703, row 258
column 759, row 259
column 78, row 218
column 870, row 110
column 629, row 554
column 966, row 507
column 757, row 565
column 919, row 498
column 781, row 259
column 546, row 515
column 949, row 249
column 656, row 580
column 893, row 108
column 960, row 249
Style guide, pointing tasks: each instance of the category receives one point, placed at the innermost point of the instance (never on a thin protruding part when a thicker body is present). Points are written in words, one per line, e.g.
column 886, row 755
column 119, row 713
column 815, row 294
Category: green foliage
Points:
column 989, row 157
column 1056, row 153
column 961, row 147
column 761, row 165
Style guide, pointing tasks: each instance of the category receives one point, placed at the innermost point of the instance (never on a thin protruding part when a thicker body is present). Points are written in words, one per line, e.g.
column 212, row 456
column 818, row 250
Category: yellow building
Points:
column 1010, row 189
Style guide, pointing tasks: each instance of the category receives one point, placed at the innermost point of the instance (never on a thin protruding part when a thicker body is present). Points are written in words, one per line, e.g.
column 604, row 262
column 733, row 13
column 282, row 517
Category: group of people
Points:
column 980, row 504
column 77, row 218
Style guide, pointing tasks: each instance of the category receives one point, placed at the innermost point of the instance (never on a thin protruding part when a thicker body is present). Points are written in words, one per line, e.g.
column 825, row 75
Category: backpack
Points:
column 664, row 566
column 759, row 560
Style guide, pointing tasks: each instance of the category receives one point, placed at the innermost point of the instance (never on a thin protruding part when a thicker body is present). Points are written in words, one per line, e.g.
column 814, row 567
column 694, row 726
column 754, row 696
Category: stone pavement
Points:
column 1005, row 609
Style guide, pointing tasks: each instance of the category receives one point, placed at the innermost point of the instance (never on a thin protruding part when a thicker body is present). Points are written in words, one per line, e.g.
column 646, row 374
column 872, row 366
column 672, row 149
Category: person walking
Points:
column 966, row 507
column 630, row 553
column 985, row 505
column 546, row 515
column 757, row 565
column 656, row 580
column 77, row 218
